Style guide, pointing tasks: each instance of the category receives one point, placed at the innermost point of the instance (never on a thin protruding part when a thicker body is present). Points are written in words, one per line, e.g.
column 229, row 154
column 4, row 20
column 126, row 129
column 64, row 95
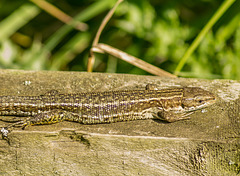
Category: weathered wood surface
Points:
column 207, row 144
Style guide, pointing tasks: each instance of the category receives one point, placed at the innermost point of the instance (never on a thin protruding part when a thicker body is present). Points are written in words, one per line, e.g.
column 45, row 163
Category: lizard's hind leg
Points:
column 5, row 130
column 48, row 117
column 41, row 118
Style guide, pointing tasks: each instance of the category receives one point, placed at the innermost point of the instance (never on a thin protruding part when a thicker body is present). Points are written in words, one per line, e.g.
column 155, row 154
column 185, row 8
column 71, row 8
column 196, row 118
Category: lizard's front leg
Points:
column 171, row 116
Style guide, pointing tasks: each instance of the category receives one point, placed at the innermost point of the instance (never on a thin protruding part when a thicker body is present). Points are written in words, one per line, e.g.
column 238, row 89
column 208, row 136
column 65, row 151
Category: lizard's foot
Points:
column 4, row 132
column 170, row 116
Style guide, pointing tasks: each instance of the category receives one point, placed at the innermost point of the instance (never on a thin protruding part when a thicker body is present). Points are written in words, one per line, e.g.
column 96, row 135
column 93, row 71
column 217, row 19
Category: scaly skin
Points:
column 105, row 107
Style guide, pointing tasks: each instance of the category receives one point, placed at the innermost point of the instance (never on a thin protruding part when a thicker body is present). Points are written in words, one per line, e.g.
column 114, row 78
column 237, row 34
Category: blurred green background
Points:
column 157, row 31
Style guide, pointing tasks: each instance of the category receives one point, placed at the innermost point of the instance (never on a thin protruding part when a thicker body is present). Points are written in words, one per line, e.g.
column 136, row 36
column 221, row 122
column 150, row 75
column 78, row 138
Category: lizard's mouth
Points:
column 200, row 105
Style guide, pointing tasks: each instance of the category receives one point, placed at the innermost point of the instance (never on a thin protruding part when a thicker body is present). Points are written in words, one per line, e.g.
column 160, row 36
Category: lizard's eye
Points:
column 200, row 101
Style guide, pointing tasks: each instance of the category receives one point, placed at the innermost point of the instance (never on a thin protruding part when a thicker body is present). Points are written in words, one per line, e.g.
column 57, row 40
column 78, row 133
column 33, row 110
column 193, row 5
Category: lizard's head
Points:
column 195, row 98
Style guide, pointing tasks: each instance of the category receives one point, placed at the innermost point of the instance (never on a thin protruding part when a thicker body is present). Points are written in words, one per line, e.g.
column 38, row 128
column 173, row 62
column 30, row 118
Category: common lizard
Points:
column 105, row 107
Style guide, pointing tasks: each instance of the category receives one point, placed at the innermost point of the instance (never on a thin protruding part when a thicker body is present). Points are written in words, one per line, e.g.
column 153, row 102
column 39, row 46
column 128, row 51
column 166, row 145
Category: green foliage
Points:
column 159, row 32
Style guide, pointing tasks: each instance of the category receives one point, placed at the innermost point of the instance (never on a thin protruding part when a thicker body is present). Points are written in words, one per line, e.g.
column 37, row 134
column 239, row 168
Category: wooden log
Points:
column 207, row 144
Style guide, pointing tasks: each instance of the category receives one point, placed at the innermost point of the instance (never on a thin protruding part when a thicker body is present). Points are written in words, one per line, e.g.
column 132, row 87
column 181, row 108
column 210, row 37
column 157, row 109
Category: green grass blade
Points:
column 73, row 47
column 17, row 19
column 226, row 4
column 90, row 12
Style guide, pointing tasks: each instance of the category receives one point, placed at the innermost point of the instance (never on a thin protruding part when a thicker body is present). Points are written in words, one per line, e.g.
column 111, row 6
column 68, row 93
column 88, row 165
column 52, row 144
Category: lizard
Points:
column 169, row 105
